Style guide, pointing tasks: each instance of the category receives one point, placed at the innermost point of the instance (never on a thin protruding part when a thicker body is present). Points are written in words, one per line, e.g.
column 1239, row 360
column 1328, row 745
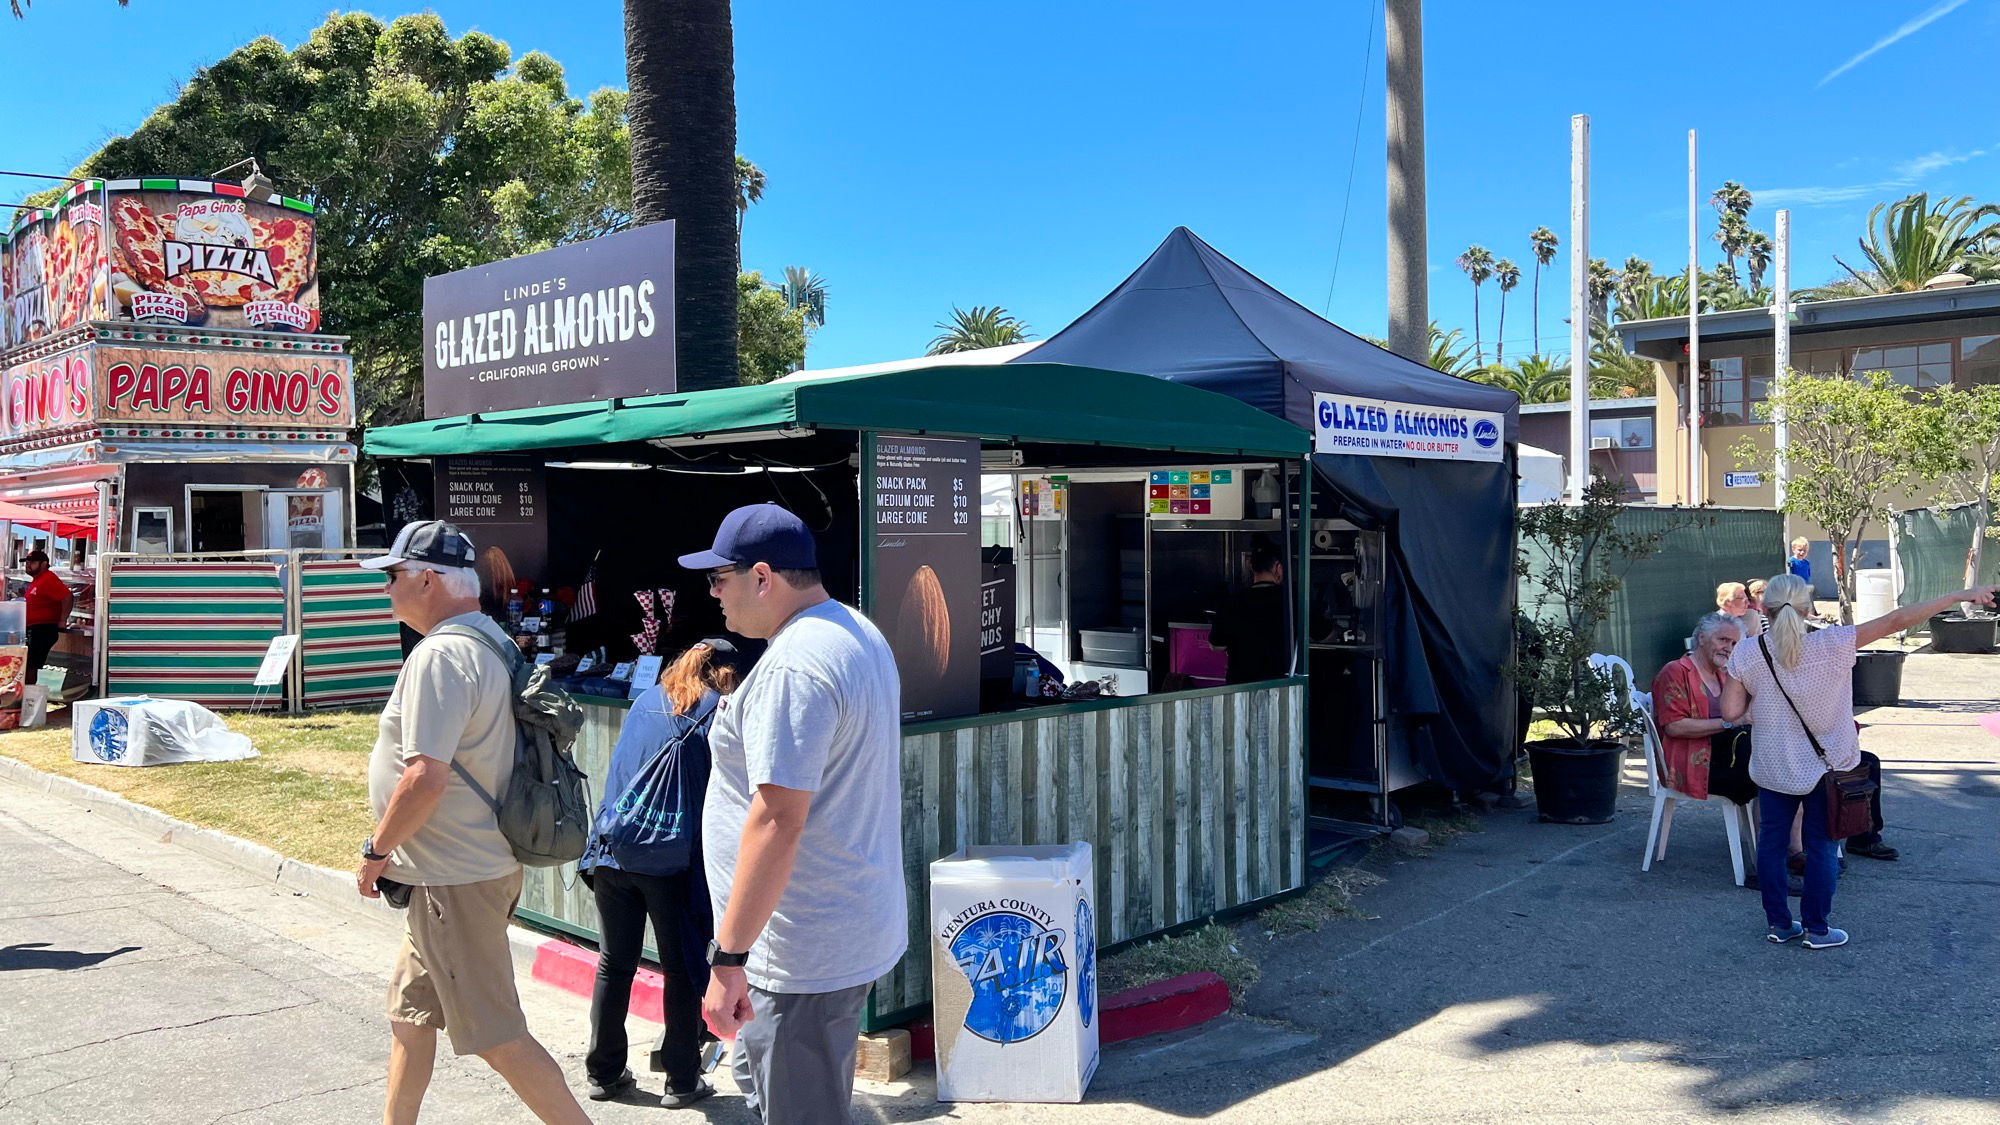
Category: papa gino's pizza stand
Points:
column 161, row 389
column 1192, row 798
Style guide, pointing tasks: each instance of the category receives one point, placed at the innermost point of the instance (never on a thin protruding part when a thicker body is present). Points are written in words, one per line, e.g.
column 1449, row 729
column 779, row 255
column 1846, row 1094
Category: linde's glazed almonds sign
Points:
column 593, row 320
column 165, row 251
column 1379, row 428
column 143, row 386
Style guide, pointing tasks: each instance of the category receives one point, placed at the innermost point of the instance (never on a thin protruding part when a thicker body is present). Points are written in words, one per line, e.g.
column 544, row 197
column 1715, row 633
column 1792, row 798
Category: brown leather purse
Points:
column 1850, row 794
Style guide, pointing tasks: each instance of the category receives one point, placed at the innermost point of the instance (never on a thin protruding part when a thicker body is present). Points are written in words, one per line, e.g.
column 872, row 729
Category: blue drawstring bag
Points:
column 649, row 829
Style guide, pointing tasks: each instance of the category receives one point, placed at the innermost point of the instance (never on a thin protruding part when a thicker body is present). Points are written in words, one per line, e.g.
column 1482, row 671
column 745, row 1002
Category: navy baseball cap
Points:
column 428, row 541
column 759, row 533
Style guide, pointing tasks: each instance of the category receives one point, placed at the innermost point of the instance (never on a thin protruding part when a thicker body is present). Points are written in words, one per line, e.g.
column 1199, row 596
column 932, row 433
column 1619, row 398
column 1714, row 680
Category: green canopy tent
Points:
column 1021, row 403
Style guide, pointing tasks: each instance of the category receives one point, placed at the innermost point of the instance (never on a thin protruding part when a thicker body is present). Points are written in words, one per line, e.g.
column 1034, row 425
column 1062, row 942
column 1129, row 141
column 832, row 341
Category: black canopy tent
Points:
column 1191, row 315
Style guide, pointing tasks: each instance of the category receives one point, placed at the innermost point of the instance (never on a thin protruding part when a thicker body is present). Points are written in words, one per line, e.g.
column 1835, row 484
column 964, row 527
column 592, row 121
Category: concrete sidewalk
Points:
column 1527, row 971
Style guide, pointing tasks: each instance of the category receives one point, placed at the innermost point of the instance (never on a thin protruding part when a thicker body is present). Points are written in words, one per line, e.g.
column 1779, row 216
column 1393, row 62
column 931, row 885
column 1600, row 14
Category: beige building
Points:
column 1928, row 339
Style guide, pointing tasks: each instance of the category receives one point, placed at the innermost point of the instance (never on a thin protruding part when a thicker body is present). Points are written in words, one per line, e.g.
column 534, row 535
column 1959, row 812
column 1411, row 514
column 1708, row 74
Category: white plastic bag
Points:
column 143, row 731
column 34, row 706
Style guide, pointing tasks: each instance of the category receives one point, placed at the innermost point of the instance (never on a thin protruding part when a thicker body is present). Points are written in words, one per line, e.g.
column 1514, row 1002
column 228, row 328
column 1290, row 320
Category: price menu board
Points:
column 501, row 503
column 924, row 545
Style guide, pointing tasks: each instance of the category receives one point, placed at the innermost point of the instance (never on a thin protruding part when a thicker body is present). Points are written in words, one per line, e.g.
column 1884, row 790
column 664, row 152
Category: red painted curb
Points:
column 1169, row 1005
column 573, row 968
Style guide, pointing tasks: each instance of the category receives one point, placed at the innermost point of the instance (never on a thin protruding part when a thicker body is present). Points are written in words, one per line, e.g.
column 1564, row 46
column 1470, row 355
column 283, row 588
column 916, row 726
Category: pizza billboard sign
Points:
column 223, row 387
column 165, row 251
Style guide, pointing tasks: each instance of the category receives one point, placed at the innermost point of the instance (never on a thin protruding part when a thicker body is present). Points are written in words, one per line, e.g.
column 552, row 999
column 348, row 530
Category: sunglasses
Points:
column 396, row 571
column 715, row 577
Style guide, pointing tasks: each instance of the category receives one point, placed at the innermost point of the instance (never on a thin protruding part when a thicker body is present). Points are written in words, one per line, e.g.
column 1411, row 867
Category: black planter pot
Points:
column 1878, row 677
column 1576, row 784
column 1953, row 632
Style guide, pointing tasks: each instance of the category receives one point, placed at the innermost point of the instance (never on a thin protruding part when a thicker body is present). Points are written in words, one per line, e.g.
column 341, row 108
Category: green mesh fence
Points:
column 1665, row 595
column 1931, row 547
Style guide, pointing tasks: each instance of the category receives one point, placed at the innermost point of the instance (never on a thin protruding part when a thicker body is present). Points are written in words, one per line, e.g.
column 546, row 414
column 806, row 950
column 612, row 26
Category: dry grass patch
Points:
column 1213, row 948
column 305, row 797
column 1327, row 900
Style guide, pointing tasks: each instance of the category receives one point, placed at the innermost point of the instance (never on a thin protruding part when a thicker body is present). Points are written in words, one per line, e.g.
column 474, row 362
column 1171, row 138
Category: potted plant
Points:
column 1572, row 560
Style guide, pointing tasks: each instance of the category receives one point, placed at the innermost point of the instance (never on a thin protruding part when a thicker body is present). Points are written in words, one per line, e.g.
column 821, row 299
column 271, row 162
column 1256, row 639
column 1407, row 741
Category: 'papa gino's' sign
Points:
column 95, row 383
column 588, row 321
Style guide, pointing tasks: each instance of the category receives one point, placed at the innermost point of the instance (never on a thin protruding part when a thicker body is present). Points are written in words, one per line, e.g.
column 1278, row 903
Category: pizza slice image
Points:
column 288, row 243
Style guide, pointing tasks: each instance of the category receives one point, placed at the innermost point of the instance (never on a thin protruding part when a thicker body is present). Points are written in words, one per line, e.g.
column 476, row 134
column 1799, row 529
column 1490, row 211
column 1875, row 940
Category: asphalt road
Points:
column 1525, row 972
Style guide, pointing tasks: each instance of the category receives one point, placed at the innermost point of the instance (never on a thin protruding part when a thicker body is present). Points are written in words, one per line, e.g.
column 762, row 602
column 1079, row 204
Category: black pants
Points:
column 41, row 638
column 624, row 902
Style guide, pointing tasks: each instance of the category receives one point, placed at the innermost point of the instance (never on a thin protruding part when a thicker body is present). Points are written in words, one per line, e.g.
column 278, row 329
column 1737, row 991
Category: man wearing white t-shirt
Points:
column 802, row 825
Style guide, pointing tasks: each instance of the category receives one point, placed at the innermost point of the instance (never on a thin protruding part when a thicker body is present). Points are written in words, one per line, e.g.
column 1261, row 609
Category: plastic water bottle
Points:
column 514, row 607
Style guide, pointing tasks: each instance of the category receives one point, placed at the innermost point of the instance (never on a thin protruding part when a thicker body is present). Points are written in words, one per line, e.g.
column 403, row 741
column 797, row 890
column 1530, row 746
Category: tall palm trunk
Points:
column 1478, row 348
column 1535, row 309
column 680, row 62
column 1500, row 336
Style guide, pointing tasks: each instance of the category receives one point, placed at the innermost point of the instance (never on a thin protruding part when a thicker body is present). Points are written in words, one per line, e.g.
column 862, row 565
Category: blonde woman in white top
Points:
column 1816, row 670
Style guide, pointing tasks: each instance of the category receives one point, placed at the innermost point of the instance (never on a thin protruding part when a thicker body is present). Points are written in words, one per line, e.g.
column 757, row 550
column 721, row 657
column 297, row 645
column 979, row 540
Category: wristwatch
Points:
column 369, row 853
column 721, row 960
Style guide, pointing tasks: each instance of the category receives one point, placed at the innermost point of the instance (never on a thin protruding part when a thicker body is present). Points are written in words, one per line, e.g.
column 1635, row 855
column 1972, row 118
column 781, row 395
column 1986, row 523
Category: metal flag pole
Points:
column 1781, row 347
column 1696, row 490
column 1579, row 306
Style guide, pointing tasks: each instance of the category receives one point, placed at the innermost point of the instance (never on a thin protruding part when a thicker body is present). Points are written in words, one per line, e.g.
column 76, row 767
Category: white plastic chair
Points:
column 1616, row 666
column 1737, row 820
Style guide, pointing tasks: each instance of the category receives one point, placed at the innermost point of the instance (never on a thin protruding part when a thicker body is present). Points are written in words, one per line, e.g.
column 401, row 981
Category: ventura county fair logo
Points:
column 1011, row 952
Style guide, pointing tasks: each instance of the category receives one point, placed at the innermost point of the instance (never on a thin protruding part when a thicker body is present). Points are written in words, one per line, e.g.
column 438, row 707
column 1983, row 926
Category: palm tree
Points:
column 1636, row 278
column 680, row 67
column 20, row 7
column 1603, row 283
column 806, row 291
column 1477, row 262
column 1652, row 298
column 1543, row 241
column 1916, row 241
column 1731, row 198
column 1448, row 352
column 1535, row 379
column 1507, row 275
column 749, row 189
column 978, row 327
column 1757, row 256
column 1733, row 234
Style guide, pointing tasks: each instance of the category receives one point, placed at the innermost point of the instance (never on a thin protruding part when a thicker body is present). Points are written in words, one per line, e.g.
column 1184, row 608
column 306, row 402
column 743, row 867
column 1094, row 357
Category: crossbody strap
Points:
column 1773, row 666
column 510, row 660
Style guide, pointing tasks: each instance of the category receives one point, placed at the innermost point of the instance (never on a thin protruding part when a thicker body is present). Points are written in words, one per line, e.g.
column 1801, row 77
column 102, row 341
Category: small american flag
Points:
column 586, row 595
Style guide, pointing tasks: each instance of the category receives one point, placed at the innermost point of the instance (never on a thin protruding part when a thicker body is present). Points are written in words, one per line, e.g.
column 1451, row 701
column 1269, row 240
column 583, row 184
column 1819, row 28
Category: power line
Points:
column 1354, row 152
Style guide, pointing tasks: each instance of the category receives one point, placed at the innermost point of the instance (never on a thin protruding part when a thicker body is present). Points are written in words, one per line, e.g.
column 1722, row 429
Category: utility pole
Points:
column 1781, row 344
column 1696, row 484
column 1579, row 306
column 1409, row 238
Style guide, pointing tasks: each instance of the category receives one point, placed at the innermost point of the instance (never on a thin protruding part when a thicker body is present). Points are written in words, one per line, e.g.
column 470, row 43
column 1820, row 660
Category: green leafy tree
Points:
column 978, row 327
column 1477, row 262
column 771, row 335
column 423, row 154
column 1506, row 275
column 1851, row 444
column 1965, row 462
column 1572, row 560
column 680, row 63
column 1543, row 242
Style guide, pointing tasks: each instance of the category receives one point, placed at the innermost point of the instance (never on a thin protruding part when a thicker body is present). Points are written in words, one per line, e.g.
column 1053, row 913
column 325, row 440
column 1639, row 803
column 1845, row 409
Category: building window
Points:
column 1979, row 360
column 1722, row 392
column 1920, row 367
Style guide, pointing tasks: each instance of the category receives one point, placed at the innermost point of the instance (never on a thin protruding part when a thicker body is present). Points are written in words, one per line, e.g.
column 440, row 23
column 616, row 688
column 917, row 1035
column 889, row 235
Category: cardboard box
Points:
column 1014, row 973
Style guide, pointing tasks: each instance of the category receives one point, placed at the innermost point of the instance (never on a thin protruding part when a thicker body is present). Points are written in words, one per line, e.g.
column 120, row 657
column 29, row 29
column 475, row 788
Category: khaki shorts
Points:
column 455, row 970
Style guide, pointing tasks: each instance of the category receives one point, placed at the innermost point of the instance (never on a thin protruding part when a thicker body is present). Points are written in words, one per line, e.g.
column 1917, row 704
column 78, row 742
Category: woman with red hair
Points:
column 679, row 711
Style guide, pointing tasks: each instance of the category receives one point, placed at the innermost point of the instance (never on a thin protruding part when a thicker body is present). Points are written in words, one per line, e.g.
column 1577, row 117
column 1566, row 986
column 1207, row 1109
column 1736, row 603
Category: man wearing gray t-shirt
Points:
column 802, row 825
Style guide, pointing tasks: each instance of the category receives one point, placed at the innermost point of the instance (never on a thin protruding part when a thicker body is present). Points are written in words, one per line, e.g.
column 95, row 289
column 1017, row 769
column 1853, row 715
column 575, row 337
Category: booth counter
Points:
column 964, row 509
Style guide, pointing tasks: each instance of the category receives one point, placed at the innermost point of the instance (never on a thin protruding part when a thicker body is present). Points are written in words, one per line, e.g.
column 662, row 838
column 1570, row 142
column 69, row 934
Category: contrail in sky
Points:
column 1894, row 37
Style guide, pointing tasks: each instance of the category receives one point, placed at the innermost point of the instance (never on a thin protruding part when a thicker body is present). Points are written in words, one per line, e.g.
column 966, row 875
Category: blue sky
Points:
column 1032, row 154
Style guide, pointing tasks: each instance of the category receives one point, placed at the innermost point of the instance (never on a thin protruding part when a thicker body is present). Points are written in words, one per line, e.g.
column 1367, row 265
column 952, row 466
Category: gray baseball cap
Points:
column 428, row 541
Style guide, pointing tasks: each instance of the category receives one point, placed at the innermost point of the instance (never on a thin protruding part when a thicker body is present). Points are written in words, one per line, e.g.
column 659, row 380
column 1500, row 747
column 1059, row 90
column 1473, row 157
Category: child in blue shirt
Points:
column 1798, row 564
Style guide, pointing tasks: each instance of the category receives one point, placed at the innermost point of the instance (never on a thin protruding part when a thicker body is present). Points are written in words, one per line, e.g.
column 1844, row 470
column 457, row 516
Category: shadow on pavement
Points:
column 38, row 955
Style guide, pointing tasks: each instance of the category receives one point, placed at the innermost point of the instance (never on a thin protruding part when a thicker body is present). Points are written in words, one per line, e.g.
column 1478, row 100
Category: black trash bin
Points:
column 1878, row 678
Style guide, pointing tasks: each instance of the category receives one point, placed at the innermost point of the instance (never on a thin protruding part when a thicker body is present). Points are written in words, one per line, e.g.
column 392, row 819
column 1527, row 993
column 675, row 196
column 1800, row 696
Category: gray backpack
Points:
column 545, row 812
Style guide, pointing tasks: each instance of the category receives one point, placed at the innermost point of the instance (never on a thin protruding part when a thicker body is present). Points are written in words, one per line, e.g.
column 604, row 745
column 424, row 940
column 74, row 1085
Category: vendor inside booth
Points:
column 1046, row 548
